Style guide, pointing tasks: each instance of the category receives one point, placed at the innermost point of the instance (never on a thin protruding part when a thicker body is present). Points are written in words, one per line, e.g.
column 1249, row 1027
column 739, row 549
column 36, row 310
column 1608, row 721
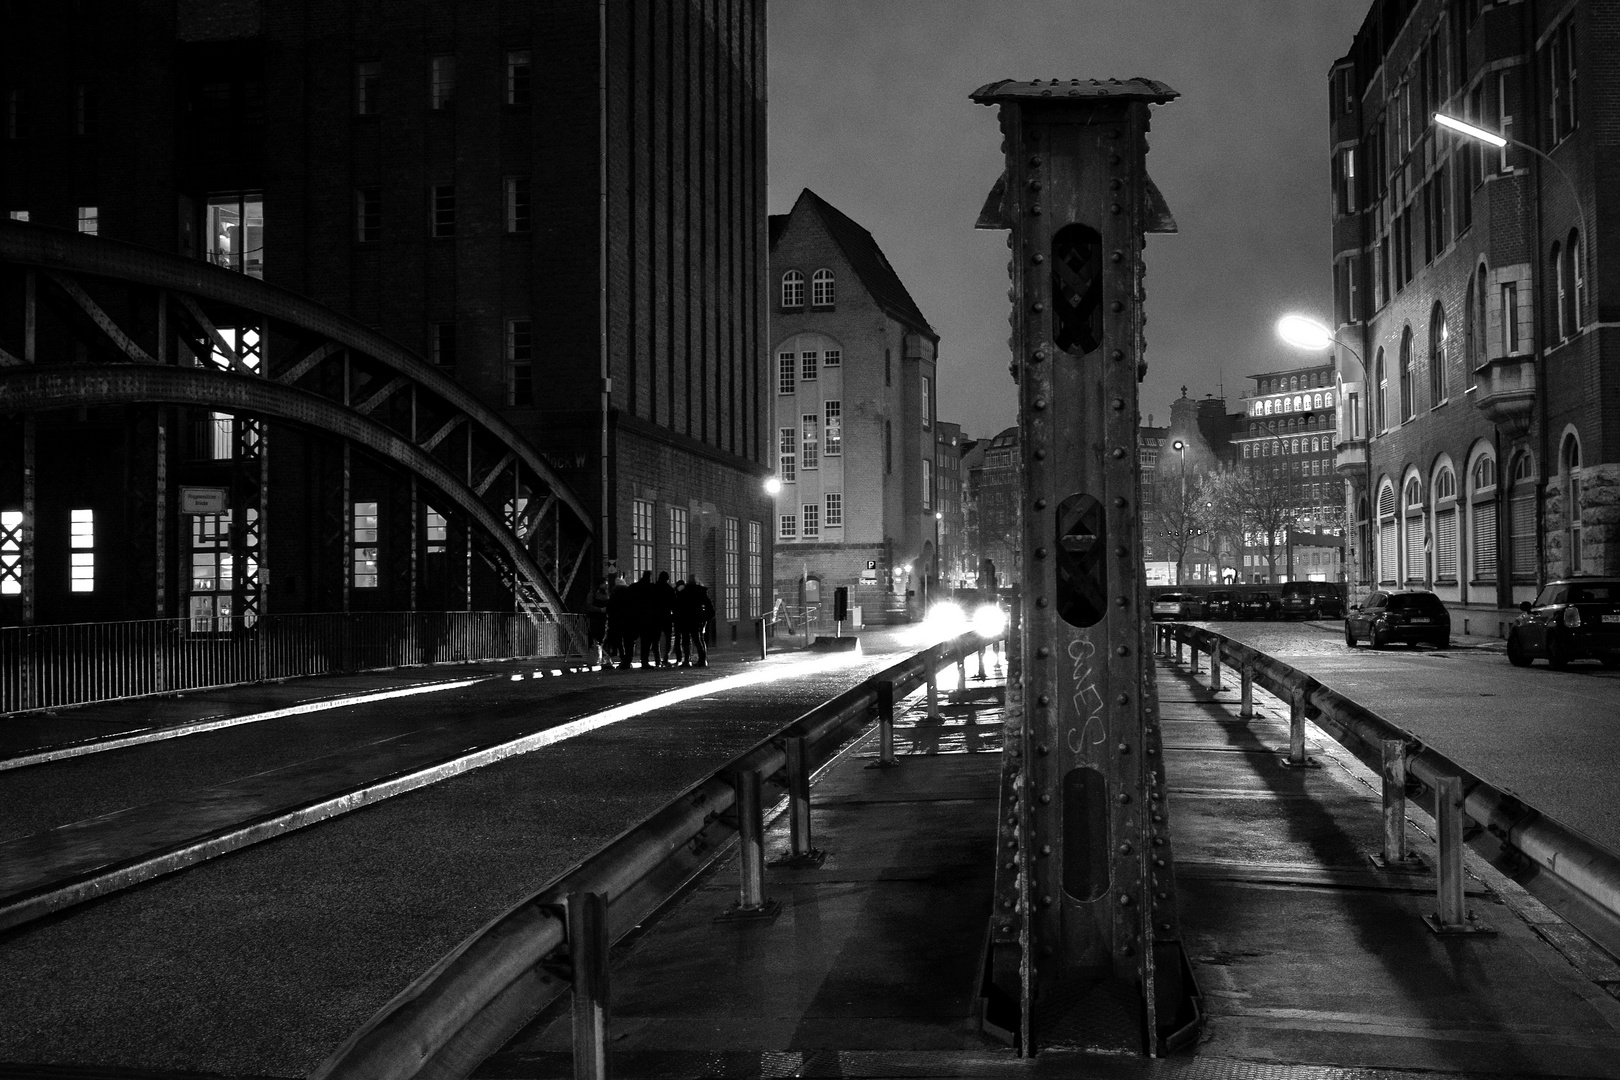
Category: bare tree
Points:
column 1253, row 506
column 1174, row 509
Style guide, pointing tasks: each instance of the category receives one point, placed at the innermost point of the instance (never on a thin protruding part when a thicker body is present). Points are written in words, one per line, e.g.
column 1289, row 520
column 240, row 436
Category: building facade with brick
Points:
column 1480, row 438
column 995, row 480
column 855, row 434
column 559, row 204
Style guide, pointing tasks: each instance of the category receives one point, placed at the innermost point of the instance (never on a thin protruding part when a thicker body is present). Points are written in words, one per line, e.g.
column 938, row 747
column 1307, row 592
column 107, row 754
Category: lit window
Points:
column 927, row 484
column 812, row 441
column 788, row 455
column 731, row 600
column 678, row 550
column 11, row 523
column 437, row 530
column 89, row 220
column 517, row 204
column 442, row 90
column 235, row 233
column 788, row 528
column 812, row 520
column 519, row 362
column 82, row 538
column 641, row 537
column 756, row 570
column 793, row 289
column 365, row 545
column 835, row 510
column 821, row 288
column 807, row 365
column 833, row 412
column 444, row 344
column 927, row 403
column 519, row 67
column 787, row 371
column 832, row 358
column 367, row 87
column 444, row 210
column 368, row 215
column 19, row 215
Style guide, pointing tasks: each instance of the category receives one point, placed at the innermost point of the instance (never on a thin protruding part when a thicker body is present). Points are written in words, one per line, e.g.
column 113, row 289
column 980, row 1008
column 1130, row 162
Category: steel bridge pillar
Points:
column 1085, row 920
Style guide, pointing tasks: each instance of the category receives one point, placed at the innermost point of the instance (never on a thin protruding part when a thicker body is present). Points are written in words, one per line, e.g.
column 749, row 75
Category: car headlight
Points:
column 989, row 621
column 947, row 614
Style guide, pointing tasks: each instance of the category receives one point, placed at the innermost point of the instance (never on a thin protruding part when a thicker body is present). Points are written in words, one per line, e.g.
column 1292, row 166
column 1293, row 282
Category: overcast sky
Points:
column 869, row 108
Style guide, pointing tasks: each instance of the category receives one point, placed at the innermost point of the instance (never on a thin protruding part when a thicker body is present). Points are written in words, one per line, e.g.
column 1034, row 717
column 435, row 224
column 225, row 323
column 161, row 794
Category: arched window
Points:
column 1416, row 558
column 1268, row 408
column 1408, row 406
column 1482, row 517
column 1470, row 346
column 1445, row 524
column 1316, row 401
column 1437, row 356
column 821, row 288
column 793, row 289
column 1576, row 276
column 1560, row 289
column 1522, row 517
column 1363, row 532
column 1573, row 509
column 1387, row 535
column 1327, row 400
column 1381, row 403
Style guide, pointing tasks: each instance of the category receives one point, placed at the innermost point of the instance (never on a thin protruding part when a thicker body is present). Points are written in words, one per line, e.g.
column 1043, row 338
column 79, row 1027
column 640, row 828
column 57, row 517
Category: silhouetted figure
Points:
column 621, row 618
column 665, row 613
column 641, row 609
column 679, row 652
column 692, row 616
column 656, row 600
column 596, row 612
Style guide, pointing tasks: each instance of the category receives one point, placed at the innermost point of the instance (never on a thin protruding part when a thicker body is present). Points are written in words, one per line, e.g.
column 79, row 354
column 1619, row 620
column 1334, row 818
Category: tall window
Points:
column 1380, row 418
column 1510, row 318
column 212, row 573
column 444, row 210
column 811, row 514
column 641, row 537
column 82, row 540
column 731, row 598
column 787, row 527
column 833, row 413
column 11, row 527
column 368, row 87
column 793, row 289
column 807, row 365
column 1388, row 536
column 788, row 455
column 835, row 509
column 368, row 215
column 821, row 288
column 1571, row 286
column 1505, row 112
column 679, row 552
column 444, row 344
column 89, row 220
column 1408, row 389
column 519, row 65
column 1438, row 338
column 436, row 530
column 927, row 403
column 1445, row 525
column 442, row 82
column 787, row 371
column 1522, row 517
column 234, row 235
column 812, row 442
column 927, row 484
column 517, row 204
column 1416, row 556
column 519, row 362
column 364, row 557
column 1482, row 518
column 756, row 570
column 1574, row 510
column 1561, row 71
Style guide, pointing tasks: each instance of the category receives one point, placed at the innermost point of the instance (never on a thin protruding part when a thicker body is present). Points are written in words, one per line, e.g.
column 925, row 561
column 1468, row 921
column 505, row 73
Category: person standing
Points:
column 662, row 615
column 620, row 623
column 644, row 602
column 680, row 654
column 693, row 619
column 596, row 613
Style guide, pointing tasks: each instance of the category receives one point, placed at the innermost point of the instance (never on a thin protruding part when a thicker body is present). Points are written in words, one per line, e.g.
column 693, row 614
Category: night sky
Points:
column 869, row 108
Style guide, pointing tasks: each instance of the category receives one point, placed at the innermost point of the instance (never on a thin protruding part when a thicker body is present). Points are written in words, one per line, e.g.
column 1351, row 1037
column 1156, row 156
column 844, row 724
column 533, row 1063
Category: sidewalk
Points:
column 1310, row 960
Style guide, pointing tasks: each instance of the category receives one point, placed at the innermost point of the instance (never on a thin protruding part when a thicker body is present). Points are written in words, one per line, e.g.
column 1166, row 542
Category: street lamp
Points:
column 773, row 486
column 1181, row 513
column 1491, row 138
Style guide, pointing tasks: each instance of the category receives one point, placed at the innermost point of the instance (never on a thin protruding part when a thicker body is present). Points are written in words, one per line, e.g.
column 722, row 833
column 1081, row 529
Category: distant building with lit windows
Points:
column 856, row 440
column 1286, row 436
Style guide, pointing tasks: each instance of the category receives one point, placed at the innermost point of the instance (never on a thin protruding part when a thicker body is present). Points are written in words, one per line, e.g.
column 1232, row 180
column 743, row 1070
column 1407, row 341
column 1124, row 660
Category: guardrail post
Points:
column 1296, row 733
column 798, row 783
column 1395, row 856
column 751, row 901
column 1215, row 666
column 588, row 946
column 762, row 649
column 1451, row 918
column 1246, row 685
column 932, row 662
column 981, row 676
column 961, row 665
column 885, row 708
column 1179, row 645
column 1196, row 666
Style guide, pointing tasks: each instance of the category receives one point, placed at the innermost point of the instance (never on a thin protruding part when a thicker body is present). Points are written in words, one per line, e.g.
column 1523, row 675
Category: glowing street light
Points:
column 1470, row 130
column 1303, row 332
column 773, row 486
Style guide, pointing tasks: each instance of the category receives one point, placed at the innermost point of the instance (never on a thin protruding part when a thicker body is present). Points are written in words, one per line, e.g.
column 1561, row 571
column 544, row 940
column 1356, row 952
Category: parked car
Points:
column 1254, row 605
column 1409, row 615
column 1311, row 600
column 1575, row 619
column 1177, row 605
column 1220, row 604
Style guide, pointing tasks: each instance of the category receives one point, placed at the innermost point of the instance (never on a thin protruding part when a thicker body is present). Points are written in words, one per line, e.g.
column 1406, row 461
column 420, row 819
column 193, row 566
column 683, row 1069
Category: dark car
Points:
column 1254, row 605
column 1311, row 600
column 1177, row 605
column 1409, row 615
column 1220, row 604
column 1570, row 620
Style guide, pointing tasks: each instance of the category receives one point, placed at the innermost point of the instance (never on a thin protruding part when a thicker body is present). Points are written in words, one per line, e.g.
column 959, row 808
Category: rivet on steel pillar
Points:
column 803, row 852
column 1451, row 917
column 751, row 900
column 1395, row 856
column 1297, row 758
column 885, row 707
column 588, row 944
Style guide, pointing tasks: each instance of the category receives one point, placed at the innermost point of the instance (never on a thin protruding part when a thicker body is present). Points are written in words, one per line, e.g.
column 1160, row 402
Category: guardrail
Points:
column 478, row 997
column 1409, row 766
column 47, row 667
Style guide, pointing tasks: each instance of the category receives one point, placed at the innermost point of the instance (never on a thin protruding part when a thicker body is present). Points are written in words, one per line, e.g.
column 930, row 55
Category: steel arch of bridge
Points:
column 341, row 378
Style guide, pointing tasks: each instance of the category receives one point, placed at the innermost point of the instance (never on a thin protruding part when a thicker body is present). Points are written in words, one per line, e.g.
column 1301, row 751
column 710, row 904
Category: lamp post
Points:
column 1306, row 333
column 1181, row 512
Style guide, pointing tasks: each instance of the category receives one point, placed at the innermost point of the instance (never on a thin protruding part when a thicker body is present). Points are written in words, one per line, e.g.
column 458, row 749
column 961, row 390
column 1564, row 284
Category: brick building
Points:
column 1204, row 431
column 957, row 564
column 559, row 204
column 995, row 480
column 856, row 438
column 1480, row 439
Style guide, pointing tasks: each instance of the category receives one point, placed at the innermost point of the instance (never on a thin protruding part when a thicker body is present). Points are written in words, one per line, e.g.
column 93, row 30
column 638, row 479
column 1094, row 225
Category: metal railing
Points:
column 47, row 667
column 476, row 999
column 1411, row 767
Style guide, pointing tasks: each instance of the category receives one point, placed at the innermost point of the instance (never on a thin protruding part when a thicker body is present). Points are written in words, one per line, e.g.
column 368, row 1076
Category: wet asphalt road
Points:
column 260, row 962
column 1551, row 737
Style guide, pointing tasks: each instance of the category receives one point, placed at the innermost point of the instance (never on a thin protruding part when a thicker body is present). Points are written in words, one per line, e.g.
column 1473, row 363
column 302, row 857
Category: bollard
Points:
column 1215, row 666
column 1395, row 856
column 1246, row 684
column 1179, row 644
column 932, row 660
column 1296, row 734
column 885, row 707
column 803, row 852
column 1451, row 918
column 762, row 649
column 751, row 902
column 588, row 946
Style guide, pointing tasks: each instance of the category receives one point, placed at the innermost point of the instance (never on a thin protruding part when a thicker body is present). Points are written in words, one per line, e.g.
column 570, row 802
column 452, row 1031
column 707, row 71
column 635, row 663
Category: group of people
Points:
column 669, row 621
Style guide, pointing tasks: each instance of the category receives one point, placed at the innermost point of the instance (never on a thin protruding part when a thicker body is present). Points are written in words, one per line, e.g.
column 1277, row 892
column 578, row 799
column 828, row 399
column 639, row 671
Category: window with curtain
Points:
column 1522, row 517
column 1387, row 535
column 1445, row 525
column 1482, row 518
column 1416, row 556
